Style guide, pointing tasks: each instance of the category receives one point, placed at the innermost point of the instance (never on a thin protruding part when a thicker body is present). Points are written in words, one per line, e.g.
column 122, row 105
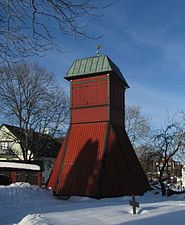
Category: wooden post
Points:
column 13, row 176
column 134, row 204
column 39, row 179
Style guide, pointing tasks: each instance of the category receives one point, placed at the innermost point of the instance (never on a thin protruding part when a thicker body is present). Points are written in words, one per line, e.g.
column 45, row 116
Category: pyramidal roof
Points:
column 94, row 65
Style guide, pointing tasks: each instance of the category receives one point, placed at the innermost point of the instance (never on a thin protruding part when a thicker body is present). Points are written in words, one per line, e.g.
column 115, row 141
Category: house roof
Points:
column 50, row 146
column 16, row 131
column 94, row 65
column 18, row 165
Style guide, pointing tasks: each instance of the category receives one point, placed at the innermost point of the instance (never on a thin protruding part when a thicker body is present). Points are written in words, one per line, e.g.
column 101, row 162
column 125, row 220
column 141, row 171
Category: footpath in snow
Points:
column 23, row 204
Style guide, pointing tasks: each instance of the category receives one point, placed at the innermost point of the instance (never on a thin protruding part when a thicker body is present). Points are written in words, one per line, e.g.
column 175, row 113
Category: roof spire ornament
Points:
column 97, row 50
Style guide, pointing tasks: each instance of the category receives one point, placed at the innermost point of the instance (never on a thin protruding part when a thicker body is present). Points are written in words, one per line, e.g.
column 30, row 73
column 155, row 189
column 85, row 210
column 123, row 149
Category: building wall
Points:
column 90, row 99
column 117, row 100
column 97, row 99
column 48, row 164
column 183, row 176
column 9, row 146
column 21, row 175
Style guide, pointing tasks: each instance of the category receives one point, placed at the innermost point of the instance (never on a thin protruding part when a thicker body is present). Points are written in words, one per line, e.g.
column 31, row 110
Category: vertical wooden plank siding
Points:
column 39, row 179
column 82, row 162
column 13, row 176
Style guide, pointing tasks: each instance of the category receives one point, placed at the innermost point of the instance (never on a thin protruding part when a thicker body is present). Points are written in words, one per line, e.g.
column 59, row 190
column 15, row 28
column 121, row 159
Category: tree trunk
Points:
column 163, row 188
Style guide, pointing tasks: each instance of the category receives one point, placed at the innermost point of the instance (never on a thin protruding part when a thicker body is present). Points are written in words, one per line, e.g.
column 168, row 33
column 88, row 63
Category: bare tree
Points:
column 168, row 143
column 137, row 125
column 31, row 100
column 146, row 155
column 29, row 27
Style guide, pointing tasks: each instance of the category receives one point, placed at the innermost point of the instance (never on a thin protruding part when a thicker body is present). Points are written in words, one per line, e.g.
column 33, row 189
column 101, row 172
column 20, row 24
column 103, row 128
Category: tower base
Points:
column 97, row 160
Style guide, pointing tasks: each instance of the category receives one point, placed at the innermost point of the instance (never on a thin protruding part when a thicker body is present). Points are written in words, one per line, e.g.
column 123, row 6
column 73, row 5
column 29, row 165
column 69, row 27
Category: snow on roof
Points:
column 19, row 166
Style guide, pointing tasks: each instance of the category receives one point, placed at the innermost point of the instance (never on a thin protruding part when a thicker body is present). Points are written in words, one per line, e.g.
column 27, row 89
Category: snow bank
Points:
column 35, row 219
column 23, row 204
column 21, row 193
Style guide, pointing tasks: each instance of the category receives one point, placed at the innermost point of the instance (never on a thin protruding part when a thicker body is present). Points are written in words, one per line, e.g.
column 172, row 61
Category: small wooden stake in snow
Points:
column 134, row 204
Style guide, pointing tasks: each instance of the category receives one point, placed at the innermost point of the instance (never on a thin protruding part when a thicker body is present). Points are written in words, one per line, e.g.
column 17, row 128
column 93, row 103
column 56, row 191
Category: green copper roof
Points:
column 94, row 65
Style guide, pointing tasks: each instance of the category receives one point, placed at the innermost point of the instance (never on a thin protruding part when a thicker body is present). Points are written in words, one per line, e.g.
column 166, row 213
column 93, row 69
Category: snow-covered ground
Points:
column 22, row 204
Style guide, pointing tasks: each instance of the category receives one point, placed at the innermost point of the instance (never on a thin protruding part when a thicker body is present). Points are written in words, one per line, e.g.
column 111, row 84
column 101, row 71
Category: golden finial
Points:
column 97, row 50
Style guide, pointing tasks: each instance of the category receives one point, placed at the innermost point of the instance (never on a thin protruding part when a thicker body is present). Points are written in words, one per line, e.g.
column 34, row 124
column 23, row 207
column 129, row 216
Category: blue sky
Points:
column 146, row 40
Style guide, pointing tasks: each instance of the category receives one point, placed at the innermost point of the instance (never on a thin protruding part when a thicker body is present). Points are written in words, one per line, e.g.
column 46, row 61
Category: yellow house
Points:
column 10, row 148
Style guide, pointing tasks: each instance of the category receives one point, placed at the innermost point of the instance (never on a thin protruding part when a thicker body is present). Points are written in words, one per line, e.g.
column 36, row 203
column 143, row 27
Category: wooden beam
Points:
column 134, row 204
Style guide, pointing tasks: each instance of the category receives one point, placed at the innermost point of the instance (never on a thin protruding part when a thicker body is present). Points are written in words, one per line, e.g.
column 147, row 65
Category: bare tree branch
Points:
column 29, row 27
column 137, row 126
column 31, row 98
column 168, row 143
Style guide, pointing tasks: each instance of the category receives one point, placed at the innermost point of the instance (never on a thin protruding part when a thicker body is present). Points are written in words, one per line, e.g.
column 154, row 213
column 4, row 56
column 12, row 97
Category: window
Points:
column 5, row 146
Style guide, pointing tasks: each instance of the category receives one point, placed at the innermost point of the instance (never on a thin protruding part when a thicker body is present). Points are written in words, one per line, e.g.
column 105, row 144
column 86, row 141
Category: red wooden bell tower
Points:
column 97, row 158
